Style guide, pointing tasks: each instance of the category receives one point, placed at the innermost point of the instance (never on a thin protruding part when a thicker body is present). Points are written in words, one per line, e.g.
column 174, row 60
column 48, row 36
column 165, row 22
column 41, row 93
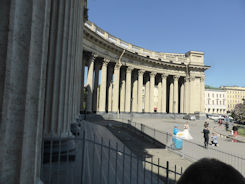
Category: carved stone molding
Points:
column 141, row 72
column 176, row 77
column 164, row 75
column 117, row 66
column 93, row 56
column 153, row 74
column 105, row 61
column 129, row 69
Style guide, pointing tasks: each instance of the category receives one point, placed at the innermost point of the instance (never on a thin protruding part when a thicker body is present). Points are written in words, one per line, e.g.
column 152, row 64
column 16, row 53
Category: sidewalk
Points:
column 227, row 134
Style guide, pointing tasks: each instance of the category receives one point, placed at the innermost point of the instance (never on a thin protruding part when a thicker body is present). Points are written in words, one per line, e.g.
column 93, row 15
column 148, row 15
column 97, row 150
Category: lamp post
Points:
column 131, row 114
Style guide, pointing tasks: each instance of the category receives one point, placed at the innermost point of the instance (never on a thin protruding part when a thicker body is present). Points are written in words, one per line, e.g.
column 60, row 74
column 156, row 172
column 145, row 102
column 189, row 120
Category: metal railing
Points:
column 96, row 161
column 193, row 151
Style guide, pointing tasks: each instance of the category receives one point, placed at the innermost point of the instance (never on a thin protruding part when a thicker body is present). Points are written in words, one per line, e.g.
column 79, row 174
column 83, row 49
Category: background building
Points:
column 215, row 101
column 235, row 95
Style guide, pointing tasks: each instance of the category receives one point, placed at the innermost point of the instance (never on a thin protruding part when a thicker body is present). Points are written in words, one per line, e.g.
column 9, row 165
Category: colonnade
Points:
column 41, row 45
column 125, row 88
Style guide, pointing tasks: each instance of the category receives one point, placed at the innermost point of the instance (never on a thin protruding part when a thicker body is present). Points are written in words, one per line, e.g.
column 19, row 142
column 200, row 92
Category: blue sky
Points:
column 216, row 27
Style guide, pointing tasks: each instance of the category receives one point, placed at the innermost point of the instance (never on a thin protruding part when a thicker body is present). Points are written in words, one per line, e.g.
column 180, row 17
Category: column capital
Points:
column 164, row 76
column 129, row 69
column 176, row 77
column 153, row 74
column 105, row 61
column 141, row 72
column 186, row 78
column 92, row 57
column 117, row 66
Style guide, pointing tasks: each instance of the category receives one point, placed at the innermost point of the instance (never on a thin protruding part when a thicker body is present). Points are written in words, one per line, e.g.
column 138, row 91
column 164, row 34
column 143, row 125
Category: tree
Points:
column 239, row 112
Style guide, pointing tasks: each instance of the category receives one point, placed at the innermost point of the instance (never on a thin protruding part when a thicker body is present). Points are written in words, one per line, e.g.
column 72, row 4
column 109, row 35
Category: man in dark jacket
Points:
column 206, row 136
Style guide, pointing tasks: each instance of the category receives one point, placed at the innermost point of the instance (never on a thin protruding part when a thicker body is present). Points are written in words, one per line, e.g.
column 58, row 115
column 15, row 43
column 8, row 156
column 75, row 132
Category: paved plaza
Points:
column 196, row 128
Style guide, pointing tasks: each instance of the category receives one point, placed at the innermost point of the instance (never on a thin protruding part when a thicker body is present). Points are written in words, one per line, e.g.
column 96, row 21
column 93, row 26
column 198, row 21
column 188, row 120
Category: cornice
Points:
column 97, row 39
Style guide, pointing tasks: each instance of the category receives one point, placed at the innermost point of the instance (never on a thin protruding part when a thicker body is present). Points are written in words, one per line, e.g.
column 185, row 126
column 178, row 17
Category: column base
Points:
column 58, row 149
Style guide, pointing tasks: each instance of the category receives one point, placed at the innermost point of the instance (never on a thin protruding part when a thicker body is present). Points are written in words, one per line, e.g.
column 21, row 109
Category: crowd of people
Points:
column 185, row 134
column 205, row 170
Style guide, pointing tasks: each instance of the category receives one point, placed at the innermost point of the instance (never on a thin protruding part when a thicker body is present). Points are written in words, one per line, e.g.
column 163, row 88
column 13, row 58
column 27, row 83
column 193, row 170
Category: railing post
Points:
column 83, row 155
column 167, row 172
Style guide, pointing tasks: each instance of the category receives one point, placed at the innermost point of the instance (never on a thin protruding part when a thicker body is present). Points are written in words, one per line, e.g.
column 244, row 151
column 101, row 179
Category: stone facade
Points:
column 127, row 71
column 215, row 101
column 235, row 95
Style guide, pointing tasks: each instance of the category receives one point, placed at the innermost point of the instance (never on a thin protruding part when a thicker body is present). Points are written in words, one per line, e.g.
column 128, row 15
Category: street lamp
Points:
column 131, row 114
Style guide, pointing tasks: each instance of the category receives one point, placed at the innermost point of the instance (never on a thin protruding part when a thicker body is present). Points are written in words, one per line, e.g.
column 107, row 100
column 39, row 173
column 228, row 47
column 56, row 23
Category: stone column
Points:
column 147, row 94
column 186, row 95
column 96, row 84
column 122, row 91
column 134, row 95
column 140, row 86
column 82, row 84
column 152, row 87
column 171, row 96
column 128, row 89
column 115, row 102
column 202, row 94
column 191, row 94
column 102, row 98
column 109, row 88
column 176, row 94
column 182, row 96
column 35, row 65
column 90, row 82
column 159, row 102
column 164, row 92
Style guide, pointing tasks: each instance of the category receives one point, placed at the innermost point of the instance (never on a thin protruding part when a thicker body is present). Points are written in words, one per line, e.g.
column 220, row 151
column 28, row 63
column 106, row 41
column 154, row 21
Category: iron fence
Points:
column 94, row 161
column 192, row 150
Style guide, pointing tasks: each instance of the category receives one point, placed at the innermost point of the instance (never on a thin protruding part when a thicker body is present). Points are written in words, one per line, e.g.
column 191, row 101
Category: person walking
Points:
column 234, row 133
column 206, row 135
column 220, row 122
column 227, row 125
column 234, row 128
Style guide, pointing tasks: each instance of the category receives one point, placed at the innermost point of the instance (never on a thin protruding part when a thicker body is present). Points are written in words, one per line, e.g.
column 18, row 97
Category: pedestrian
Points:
column 206, row 124
column 214, row 140
column 227, row 125
column 206, row 136
column 234, row 128
column 176, row 130
column 220, row 121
